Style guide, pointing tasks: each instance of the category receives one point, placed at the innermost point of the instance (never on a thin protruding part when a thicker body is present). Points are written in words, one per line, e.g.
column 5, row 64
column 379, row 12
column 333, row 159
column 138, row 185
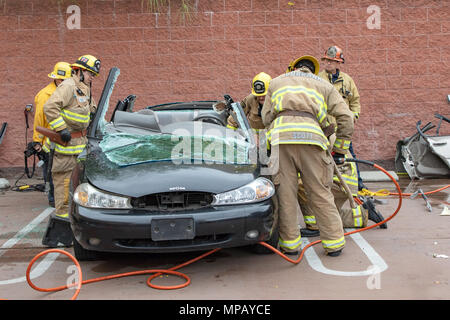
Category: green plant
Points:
column 186, row 7
column 154, row 5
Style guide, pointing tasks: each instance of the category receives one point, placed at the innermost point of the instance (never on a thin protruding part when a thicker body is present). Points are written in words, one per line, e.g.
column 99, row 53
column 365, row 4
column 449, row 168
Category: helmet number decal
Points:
column 259, row 87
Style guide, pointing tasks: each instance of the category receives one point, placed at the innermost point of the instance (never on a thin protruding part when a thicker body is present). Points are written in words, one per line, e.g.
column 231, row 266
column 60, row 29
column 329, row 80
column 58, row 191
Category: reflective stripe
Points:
column 357, row 217
column 309, row 219
column 231, row 127
column 280, row 127
column 333, row 244
column 348, row 179
column 69, row 149
column 304, row 127
column 342, row 144
column 292, row 244
column 310, row 142
column 277, row 98
column 58, row 122
column 75, row 116
column 44, row 147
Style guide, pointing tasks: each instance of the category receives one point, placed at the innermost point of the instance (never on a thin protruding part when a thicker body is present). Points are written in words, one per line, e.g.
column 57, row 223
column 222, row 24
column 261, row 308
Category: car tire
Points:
column 82, row 254
column 273, row 241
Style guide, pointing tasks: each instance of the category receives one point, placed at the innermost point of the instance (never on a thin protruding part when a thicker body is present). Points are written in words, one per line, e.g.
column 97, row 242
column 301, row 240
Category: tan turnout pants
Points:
column 61, row 171
column 316, row 169
column 351, row 218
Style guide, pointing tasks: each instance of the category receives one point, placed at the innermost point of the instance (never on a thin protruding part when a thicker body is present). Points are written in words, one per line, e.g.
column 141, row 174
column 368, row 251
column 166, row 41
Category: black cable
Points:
column 369, row 163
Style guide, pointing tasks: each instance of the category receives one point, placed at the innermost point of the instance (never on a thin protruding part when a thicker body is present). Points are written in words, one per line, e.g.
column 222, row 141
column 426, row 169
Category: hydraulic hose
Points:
column 158, row 272
column 350, row 232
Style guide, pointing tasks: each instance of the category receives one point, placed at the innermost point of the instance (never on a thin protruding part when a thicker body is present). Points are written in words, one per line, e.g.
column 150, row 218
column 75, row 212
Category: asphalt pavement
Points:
column 409, row 260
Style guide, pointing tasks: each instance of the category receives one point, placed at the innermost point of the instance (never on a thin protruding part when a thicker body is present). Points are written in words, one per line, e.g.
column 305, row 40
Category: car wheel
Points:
column 273, row 241
column 82, row 254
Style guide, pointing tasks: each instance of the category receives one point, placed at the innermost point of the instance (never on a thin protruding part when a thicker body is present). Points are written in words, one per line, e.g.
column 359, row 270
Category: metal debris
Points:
column 420, row 191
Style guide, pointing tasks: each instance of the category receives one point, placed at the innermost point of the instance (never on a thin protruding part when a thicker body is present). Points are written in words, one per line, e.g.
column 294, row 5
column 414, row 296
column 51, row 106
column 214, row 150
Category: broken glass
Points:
column 126, row 149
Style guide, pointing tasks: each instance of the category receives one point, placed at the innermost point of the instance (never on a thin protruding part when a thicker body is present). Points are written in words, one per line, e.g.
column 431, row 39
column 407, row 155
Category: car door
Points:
column 97, row 123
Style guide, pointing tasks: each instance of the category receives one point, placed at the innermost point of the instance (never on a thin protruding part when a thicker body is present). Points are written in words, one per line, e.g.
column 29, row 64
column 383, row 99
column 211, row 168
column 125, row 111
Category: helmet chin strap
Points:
column 81, row 75
column 90, row 85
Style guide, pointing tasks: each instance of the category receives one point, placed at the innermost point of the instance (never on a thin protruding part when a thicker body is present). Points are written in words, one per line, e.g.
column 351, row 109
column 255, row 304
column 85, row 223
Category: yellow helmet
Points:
column 311, row 59
column 260, row 84
column 87, row 62
column 62, row 70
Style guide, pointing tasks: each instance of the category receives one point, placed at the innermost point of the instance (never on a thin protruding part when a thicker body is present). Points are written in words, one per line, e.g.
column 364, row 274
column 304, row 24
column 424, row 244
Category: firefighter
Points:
column 252, row 106
column 61, row 71
column 359, row 216
column 68, row 112
column 294, row 111
column 351, row 217
column 332, row 61
column 253, row 103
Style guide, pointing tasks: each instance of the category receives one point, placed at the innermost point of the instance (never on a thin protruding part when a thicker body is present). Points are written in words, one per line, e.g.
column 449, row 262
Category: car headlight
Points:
column 256, row 191
column 87, row 196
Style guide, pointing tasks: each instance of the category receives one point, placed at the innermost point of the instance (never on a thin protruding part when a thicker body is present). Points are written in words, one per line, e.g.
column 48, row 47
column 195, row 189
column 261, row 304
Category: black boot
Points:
column 290, row 253
column 374, row 214
column 334, row 253
column 306, row 233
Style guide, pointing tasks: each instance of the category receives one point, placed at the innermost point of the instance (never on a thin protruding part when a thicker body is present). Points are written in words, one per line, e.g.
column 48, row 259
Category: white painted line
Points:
column 37, row 271
column 44, row 264
column 22, row 233
column 376, row 260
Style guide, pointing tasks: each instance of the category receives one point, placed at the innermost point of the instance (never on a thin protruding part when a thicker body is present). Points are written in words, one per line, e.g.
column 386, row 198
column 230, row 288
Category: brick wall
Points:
column 401, row 69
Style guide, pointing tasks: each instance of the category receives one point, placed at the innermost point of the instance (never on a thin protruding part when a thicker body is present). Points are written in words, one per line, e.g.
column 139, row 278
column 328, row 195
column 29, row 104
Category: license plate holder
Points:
column 172, row 229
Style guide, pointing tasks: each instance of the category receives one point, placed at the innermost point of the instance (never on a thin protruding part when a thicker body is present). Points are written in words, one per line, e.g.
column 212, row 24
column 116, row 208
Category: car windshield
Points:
column 126, row 149
column 193, row 132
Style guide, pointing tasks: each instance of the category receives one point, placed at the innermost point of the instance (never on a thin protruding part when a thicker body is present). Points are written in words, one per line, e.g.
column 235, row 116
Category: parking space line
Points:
column 376, row 260
column 44, row 264
column 37, row 271
column 22, row 233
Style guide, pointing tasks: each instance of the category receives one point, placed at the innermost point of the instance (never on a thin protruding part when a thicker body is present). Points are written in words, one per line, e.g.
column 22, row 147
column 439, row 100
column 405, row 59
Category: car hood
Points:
column 165, row 176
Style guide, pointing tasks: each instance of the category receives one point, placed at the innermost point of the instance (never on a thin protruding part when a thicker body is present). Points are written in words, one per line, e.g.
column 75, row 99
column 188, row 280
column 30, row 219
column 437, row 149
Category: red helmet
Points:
column 334, row 53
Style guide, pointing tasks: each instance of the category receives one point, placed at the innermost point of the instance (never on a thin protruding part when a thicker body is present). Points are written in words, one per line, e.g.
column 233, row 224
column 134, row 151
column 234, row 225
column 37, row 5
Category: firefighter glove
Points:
column 65, row 135
column 338, row 158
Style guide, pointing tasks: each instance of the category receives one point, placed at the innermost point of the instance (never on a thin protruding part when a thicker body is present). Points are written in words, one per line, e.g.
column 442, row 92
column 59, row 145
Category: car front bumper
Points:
column 132, row 230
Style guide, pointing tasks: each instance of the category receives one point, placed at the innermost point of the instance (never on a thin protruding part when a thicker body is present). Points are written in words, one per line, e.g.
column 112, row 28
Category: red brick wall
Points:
column 402, row 69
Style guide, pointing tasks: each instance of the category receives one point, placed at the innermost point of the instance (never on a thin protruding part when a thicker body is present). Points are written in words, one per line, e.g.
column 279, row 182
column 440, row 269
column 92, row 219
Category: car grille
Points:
column 173, row 201
column 148, row 243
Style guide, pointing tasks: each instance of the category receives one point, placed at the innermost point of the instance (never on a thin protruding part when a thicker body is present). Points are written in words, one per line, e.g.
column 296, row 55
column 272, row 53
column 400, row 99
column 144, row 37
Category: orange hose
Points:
column 172, row 271
column 426, row 193
column 347, row 233
column 80, row 277
column 127, row 274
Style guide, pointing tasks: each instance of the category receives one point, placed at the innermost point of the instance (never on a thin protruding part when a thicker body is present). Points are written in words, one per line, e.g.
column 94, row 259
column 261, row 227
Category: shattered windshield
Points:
column 134, row 137
column 126, row 149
